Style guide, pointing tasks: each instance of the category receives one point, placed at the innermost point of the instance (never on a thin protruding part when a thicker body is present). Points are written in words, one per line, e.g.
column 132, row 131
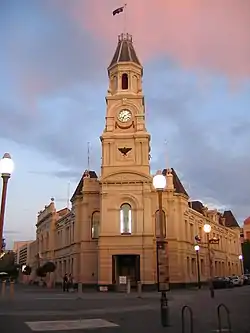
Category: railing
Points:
column 186, row 311
column 226, row 310
column 187, row 319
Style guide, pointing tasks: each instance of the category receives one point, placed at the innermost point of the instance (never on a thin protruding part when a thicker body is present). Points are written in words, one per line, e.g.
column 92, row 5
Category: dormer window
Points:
column 124, row 81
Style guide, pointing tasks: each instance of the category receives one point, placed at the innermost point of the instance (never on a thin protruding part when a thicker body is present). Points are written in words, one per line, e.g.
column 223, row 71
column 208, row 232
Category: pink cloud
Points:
column 214, row 34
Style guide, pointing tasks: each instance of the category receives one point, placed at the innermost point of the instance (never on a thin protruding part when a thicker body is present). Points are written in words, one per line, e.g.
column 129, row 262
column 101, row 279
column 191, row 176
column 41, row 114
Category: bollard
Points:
column 139, row 289
column 3, row 288
column 79, row 288
column 128, row 286
column 12, row 284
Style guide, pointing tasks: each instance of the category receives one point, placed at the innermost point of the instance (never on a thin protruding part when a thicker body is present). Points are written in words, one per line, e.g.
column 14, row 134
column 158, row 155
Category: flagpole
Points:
column 125, row 19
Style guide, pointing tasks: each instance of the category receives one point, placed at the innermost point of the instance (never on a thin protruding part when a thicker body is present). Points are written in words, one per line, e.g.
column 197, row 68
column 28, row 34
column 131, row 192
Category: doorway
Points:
column 126, row 265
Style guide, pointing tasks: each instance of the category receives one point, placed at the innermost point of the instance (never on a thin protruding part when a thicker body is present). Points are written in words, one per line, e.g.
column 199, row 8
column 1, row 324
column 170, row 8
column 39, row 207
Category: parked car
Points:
column 237, row 281
column 246, row 279
column 229, row 282
column 222, row 282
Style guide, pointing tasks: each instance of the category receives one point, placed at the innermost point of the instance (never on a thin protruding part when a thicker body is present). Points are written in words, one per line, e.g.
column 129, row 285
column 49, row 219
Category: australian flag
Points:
column 118, row 10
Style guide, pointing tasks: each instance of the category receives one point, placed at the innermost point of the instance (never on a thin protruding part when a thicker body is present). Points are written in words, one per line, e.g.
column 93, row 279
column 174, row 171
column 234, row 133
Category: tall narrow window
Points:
column 202, row 267
column 191, row 232
column 157, row 224
column 95, row 221
column 125, row 219
column 188, row 266
column 193, row 266
column 124, row 81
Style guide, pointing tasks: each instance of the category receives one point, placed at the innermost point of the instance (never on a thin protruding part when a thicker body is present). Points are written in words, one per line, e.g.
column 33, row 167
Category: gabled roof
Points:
column 125, row 51
column 78, row 190
column 179, row 188
column 230, row 220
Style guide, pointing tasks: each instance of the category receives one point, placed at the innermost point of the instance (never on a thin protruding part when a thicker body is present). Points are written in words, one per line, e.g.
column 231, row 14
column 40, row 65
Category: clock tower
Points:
column 125, row 182
column 125, row 140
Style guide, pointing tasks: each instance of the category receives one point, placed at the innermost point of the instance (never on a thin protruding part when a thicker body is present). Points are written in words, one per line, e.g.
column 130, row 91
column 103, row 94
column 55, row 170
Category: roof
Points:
column 197, row 205
column 247, row 221
column 63, row 211
column 179, row 188
column 78, row 190
column 230, row 220
column 125, row 51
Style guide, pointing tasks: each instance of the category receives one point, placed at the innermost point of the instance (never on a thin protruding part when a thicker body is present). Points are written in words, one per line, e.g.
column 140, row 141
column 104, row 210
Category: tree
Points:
column 40, row 272
column 7, row 264
column 246, row 255
column 49, row 267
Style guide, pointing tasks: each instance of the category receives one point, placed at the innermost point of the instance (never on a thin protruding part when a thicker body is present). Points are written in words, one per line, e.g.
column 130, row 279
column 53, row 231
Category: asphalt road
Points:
column 120, row 313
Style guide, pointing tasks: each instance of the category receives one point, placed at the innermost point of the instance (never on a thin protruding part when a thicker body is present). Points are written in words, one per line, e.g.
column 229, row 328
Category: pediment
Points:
column 131, row 176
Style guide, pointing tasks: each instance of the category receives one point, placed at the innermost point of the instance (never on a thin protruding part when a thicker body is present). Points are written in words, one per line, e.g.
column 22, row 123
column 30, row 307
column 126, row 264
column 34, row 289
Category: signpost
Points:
column 162, row 266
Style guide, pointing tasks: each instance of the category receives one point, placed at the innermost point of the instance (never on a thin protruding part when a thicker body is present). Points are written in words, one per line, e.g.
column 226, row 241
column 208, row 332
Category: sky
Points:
column 53, row 82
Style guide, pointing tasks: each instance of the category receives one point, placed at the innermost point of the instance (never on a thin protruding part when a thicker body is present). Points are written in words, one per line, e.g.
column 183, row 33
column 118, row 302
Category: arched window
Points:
column 124, row 81
column 95, row 222
column 157, row 224
column 125, row 219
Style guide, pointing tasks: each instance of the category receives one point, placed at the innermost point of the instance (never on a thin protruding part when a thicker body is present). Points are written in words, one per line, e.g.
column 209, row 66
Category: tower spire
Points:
column 125, row 51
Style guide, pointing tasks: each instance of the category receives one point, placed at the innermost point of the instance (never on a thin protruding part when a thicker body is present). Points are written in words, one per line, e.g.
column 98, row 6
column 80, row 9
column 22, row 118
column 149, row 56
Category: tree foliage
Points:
column 7, row 264
column 246, row 255
column 48, row 267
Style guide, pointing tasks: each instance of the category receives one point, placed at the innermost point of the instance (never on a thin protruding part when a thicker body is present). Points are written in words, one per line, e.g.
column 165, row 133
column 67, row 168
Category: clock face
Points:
column 124, row 115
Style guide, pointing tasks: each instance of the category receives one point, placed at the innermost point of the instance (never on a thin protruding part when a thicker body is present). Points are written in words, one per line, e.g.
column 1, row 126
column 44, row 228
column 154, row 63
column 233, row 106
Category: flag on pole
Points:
column 118, row 10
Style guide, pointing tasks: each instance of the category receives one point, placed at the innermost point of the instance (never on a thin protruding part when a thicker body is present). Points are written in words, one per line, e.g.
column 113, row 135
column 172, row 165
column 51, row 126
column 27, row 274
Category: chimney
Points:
column 170, row 182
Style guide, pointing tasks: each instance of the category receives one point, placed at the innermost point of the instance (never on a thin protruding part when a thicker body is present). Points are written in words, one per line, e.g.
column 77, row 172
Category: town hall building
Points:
column 111, row 230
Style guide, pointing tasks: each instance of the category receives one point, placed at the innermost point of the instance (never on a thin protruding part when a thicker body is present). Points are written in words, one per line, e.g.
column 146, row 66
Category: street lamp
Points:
column 159, row 183
column 197, row 249
column 6, row 169
column 241, row 263
column 207, row 229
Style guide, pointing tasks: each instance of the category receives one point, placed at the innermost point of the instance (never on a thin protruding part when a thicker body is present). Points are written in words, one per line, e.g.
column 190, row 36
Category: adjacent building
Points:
column 246, row 229
column 112, row 227
column 21, row 250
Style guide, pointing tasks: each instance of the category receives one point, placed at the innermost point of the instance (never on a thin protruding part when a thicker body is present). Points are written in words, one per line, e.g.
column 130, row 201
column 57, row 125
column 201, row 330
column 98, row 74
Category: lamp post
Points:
column 207, row 229
column 159, row 183
column 241, row 264
column 197, row 249
column 6, row 169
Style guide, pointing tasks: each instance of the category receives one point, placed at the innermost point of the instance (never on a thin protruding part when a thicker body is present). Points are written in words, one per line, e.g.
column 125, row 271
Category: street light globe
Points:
column 159, row 182
column 207, row 228
column 241, row 257
column 6, row 165
column 196, row 247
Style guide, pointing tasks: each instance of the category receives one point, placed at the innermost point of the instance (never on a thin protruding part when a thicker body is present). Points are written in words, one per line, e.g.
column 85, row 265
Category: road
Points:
column 37, row 309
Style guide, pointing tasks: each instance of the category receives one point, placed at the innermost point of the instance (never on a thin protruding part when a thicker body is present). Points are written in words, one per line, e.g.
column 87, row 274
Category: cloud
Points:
column 209, row 34
column 54, row 83
column 52, row 70
column 210, row 150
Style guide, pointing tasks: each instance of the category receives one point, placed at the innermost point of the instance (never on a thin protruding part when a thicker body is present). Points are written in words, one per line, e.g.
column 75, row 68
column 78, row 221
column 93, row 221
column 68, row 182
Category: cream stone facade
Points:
column 112, row 226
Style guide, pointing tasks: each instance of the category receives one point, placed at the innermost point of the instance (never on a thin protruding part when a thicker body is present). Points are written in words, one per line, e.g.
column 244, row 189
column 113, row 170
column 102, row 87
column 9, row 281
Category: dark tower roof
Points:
column 125, row 51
